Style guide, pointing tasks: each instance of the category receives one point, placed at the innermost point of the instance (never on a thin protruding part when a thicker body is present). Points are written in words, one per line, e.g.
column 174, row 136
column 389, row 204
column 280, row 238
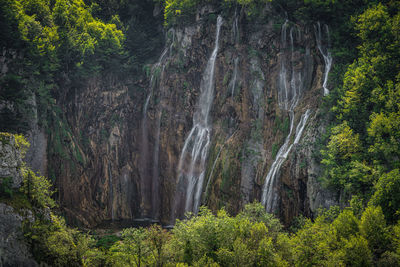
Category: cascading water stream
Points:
column 232, row 84
column 325, row 54
column 111, row 191
column 156, row 183
column 213, row 167
column 191, row 168
column 235, row 38
column 269, row 196
column 235, row 28
column 289, row 92
column 145, row 181
column 149, row 182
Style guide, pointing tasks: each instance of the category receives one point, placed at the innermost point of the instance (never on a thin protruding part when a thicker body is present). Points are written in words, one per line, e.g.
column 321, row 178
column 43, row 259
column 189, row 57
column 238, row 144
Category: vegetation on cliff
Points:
column 51, row 40
column 361, row 156
column 353, row 236
column 59, row 41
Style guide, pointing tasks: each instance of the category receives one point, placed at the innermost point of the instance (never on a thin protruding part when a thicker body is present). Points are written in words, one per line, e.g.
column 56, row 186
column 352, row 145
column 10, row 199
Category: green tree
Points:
column 357, row 252
column 363, row 145
column 38, row 189
column 386, row 195
column 132, row 250
column 373, row 229
column 311, row 244
column 345, row 225
column 157, row 238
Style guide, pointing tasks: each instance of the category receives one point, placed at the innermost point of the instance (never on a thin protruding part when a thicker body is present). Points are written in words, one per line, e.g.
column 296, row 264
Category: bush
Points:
column 6, row 186
column 38, row 189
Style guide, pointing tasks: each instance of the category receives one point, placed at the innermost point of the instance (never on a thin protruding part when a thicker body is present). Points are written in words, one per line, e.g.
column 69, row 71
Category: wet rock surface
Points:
column 10, row 161
column 113, row 171
column 13, row 249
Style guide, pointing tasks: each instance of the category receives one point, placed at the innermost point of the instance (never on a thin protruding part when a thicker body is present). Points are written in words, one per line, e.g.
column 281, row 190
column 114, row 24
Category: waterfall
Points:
column 191, row 168
column 326, row 54
column 269, row 196
column 235, row 28
column 149, row 181
column 232, row 84
column 111, row 191
column 144, row 148
column 290, row 87
column 156, row 183
column 235, row 39
column 213, row 167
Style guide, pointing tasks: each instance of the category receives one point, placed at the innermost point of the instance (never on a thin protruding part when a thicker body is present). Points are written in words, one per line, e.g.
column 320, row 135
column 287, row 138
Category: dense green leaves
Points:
column 362, row 155
column 184, row 11
column 38, row 189
column 44, row 42
column 387, row 195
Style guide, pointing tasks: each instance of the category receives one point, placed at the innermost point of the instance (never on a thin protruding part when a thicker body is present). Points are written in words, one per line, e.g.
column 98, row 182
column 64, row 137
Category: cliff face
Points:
column 153, row 148
column 14, row 249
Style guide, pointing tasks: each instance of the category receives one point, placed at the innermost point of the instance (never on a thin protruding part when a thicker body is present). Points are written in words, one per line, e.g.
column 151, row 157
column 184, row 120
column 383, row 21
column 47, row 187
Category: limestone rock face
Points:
column 10, row 160
column 116, row 154
column 13, row 249
column 36, row 155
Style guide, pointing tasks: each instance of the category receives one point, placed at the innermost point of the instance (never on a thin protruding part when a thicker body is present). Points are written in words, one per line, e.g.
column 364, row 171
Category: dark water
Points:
column 136, row 223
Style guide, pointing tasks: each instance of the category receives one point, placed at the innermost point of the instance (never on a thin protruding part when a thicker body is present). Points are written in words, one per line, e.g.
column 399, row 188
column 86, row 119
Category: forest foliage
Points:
column 55, row 39
column 362, row 154
column 354, row 236
column 52, row 47
column 48, row 41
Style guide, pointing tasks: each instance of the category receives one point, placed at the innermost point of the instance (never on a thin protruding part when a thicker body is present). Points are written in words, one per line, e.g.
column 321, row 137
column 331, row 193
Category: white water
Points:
column 149, row 182
column 145, row 180
column 232, row 84
column 111, row 192
column 235, row 28
column 290, row 88
column 213, row 167
column 325, row 54
column 235, row 39
column 155, row 183
column 269, row 196
column 191, row 168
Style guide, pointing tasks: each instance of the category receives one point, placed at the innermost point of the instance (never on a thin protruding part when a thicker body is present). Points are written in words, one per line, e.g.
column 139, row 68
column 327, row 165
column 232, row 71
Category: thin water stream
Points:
column 191, row 168
column 290, row 88
column 326, row 54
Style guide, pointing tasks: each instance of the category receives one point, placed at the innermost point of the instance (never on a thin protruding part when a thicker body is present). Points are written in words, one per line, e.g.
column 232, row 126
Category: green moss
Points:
column 277, row 124
column 212, row 18
column 252, row 52
column 6, row 186
column 277, row 27
column 104, row 134
column 281, row 124
column 285, row 126
column 275, row 149
column 78, row 155
column 186, row 85
column 115, row 118
column 227, row 77
column 257, row 128
column 303, row 164
column 20, row 141
column 5, row 138
column 156, row 76
column 147, row 70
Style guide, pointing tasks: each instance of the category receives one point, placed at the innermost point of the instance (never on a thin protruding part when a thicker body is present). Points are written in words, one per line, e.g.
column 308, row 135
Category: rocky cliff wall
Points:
column 14, row 249
column 125, row 138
